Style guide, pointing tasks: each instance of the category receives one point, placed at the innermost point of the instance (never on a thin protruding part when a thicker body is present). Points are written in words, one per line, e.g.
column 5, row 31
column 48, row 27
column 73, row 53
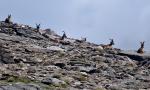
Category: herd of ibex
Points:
column 140, row 50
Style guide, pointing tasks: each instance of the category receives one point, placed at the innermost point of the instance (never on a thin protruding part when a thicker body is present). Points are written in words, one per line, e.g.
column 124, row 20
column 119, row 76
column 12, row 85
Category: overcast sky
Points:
column 127, row 21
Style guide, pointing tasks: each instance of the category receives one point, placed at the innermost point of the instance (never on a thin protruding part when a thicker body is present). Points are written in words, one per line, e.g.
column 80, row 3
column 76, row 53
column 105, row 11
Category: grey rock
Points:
column 55, row 48
column 53, row 81
column 5, row 56
column 28, row 33
column 20, row 87
column 48, row 32
column 47, row 81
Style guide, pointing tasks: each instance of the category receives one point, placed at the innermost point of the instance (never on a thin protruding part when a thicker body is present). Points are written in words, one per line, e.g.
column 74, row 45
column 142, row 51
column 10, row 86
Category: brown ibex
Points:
column 109, row 45
column 141, row 49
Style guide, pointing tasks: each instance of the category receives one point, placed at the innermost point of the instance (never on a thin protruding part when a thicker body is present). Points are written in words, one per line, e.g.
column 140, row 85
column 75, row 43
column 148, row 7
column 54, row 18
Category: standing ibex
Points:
column 141, row 49
column 109, row 45
column 83, row 39
column 38, row 26
column 63, row 36
column 8, row 19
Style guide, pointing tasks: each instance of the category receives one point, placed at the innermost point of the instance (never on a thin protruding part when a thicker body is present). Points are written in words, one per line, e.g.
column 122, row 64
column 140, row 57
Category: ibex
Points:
column 109, row 45
column 141, row 49
column 63, row 36
column 8, row 19
column 83, row 39
column 38, row 26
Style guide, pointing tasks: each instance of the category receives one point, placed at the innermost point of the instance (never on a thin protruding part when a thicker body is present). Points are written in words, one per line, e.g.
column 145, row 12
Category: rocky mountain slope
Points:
column 40, row 60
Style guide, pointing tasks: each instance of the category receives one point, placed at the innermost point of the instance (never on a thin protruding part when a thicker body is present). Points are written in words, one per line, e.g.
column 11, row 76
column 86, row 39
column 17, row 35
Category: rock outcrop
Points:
column 32, row 60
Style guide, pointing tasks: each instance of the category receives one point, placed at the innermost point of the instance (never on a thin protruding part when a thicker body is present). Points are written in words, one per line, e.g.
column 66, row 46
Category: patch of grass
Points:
column 60, row 85
column 64, row 85
column 49, row 87
column 54, row 86
column 61, row 54
column 100, row 89
column 20, row 65
column 81, row 78
column 13, row 79
column 67, row 82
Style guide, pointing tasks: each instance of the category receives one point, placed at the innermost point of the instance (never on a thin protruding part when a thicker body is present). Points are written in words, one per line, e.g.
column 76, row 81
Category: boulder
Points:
column 53, row 81
column 20, row 87
column 29, row 33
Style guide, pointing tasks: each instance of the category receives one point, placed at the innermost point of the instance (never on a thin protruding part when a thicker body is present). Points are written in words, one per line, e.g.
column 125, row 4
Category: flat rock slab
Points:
column 55, row 48
column 19, row 87
column 136, row 56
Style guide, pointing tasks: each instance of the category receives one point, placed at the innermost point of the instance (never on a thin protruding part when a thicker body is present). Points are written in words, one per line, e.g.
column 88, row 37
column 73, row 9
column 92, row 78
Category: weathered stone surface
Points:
column 20, row 87
column 28, row 33
column 49, row 63
column 47, row 81
column 5, row 56
column 55, row 48
column 53, row 81
column 135, row 56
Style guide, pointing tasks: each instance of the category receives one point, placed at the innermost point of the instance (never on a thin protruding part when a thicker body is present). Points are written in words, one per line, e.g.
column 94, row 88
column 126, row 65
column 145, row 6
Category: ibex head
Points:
column 38, row 26
column 142, row 44
column 8, row 19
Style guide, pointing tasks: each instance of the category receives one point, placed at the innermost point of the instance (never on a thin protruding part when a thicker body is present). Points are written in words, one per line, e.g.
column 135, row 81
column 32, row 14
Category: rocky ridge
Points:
column 40, row 60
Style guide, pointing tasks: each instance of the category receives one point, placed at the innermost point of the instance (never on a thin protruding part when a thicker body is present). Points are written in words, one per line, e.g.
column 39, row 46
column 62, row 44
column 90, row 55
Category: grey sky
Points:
column 127, row 21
